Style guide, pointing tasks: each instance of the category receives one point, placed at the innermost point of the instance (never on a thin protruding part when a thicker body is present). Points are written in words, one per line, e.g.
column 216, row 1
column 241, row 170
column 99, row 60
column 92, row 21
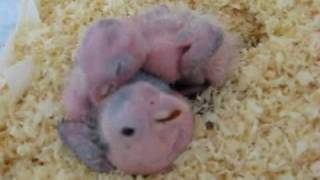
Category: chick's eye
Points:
column 127, row 131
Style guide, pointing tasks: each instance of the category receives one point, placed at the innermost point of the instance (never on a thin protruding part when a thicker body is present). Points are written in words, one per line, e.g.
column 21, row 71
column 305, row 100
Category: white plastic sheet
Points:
column 8, row 18
column 16, row 14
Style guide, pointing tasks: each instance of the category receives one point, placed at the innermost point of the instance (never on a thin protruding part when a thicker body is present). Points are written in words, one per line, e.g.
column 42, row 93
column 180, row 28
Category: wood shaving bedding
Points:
column 263, row 123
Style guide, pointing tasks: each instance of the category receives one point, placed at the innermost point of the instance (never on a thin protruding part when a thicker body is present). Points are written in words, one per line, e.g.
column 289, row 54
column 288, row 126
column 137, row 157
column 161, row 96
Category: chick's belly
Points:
column 163, row 61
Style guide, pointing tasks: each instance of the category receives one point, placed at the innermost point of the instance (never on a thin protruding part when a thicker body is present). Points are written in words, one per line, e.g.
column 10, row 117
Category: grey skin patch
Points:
column 117, row 99
column 183, row 35
column 153, row 80
column 83, row 139
column 107, row 22
column 217, row 42
column 123, row 64
column 122, row 95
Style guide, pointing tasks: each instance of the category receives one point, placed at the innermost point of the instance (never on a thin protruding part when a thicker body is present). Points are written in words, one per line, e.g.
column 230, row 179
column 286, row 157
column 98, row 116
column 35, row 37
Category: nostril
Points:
column 169, row 117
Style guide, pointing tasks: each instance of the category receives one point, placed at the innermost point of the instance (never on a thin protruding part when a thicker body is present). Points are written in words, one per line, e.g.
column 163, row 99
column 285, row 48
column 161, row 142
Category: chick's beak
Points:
column 164, row 116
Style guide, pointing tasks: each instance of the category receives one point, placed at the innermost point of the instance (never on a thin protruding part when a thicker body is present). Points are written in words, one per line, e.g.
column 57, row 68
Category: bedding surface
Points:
column 263, row 123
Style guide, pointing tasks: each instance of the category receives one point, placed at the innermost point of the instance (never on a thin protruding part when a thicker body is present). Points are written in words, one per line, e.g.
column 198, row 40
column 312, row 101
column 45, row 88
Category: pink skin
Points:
column 196, row 50
column 181, row 44
column 75, row 96
column 160, row 27
column 223, row 62
column 204, row 39
column 140, row 129
column 156, row 141
column 164, row 50
column 112, row 51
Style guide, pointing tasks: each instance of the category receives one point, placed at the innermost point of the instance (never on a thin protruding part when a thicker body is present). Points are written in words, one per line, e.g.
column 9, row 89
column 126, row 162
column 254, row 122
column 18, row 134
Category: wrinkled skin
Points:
column 180, row 44
column 111, row 52
column 184, row 49
column 75, row 96
column 224, row 61
column 189, row 50
column 140, row 129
